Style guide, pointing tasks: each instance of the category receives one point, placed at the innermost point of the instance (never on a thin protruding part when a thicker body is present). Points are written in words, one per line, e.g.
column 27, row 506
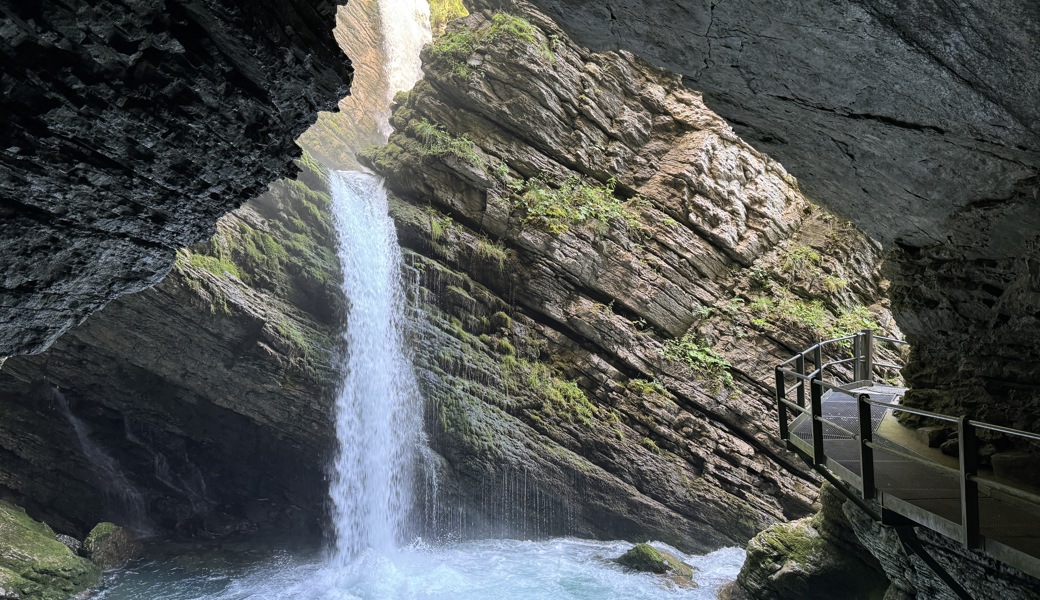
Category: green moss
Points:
column 646, row 558
column 35, row 564
column 560, row 397
column 646, row 386
column 651, row 445
column 455, row 47
column 704, row 360
column 219, row 266
column 506, row 25
column 576, row 200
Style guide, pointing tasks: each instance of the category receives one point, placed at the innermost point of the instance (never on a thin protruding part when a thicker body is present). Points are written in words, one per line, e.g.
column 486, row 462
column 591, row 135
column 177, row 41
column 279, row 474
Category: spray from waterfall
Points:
column 116, row 486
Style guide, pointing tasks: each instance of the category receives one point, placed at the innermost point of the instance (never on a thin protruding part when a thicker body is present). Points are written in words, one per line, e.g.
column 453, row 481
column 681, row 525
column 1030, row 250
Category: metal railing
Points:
column 859, row 372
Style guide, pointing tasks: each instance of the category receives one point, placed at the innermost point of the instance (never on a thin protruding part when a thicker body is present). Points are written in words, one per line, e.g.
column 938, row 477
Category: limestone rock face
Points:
column 130, row 127
column 36, row 566
column 917, row 120
column 604, row 270
column 210, row 393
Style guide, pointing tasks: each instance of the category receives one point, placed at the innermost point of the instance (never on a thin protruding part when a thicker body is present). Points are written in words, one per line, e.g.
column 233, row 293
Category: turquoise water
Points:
column 559, row 569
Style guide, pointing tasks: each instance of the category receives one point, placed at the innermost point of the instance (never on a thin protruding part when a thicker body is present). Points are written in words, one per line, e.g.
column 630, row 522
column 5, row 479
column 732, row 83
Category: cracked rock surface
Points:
column 918, row 120
column 130, row 127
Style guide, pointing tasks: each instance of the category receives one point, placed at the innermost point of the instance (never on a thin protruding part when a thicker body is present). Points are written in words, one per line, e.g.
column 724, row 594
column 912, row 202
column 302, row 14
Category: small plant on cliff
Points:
column 503, row 24
column 577, row 200
column 702, row 358
column 437, row 142
column 457, row 46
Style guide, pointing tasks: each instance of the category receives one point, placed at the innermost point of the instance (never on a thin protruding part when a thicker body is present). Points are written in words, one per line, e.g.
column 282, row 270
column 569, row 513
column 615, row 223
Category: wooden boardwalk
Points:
column 906, row 479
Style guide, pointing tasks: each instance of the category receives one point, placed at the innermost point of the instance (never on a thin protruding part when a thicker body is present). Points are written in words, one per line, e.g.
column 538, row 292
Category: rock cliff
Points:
column 130, row 127
column 917, row 120
column 607, row 274
column 603, row 274
column 209, row 394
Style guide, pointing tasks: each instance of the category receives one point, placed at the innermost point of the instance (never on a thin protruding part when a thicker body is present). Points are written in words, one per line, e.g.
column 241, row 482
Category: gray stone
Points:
column 933, row 437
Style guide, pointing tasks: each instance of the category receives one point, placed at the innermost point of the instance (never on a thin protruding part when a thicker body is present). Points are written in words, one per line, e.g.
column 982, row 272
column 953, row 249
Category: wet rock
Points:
column 223, row 375
column 646, row 558
column 110, row 546
column 70, row 542
column 813, row 558
column 36, row 566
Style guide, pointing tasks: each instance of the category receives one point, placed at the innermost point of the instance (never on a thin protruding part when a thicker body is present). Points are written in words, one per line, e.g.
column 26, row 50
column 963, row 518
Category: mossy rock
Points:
column 109, row 546
column 36, row 566
column 646, row 558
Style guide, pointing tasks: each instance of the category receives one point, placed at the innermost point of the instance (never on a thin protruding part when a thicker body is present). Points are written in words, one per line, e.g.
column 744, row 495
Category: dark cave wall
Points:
column 130, row 127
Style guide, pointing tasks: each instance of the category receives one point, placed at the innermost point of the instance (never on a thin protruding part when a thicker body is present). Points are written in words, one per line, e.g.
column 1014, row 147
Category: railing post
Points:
column 868, row 355
column 799, row 365
column 781, row 408
column 816, row 412
column 866, row 453
column 818, row 359
column 969, row 486
column 857, row 353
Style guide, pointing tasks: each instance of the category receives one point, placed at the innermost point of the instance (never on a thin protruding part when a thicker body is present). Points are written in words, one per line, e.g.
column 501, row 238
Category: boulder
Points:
column 109, row 546
column 646, row 558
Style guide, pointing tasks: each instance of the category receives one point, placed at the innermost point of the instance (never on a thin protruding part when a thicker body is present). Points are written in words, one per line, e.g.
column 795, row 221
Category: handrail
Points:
column 863, row 365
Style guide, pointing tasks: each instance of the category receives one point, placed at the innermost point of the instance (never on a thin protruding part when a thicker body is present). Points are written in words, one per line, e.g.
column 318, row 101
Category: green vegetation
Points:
column 646, row 386
column 457, row 46
column 704, row 360
column 493, row 251
column 577, row 200
column 437, row 142
column 812, row 316
column 561, row 397
column 442, row 11
column 834, row 284
column 36, row 566
column 220, row 266
column 651, row 445
column 800, row 258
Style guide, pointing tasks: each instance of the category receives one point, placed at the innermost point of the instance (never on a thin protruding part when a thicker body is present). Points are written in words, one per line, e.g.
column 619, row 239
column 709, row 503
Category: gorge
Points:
column 599, row 275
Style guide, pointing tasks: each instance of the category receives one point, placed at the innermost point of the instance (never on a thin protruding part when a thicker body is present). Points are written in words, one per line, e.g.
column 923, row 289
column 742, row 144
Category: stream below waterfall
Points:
column 558, row 569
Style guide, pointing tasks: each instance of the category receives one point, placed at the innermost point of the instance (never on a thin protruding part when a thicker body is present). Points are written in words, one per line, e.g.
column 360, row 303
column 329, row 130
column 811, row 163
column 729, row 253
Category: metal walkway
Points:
column 837, row 432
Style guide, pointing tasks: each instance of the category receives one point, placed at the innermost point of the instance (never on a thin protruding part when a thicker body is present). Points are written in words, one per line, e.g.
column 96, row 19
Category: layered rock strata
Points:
column 209, row 394
column 918, row 121
column 606, row 276
column 130, row 128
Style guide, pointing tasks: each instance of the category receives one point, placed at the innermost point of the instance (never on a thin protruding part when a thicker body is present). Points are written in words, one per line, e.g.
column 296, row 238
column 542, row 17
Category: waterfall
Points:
column 378, row 412
column 405, row 26
column 116, row 486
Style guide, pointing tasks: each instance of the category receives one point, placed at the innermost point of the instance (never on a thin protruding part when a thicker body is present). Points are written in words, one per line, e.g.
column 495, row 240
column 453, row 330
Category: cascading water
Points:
column 129, row 503
column 378, row 421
